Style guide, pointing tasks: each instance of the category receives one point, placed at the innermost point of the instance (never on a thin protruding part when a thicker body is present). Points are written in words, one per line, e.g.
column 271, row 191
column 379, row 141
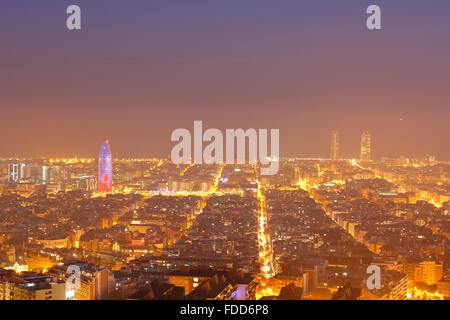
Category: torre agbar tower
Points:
column 105, row 168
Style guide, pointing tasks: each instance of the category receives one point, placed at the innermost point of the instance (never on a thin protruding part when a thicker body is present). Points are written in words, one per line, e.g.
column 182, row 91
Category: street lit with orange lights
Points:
column 268, row 286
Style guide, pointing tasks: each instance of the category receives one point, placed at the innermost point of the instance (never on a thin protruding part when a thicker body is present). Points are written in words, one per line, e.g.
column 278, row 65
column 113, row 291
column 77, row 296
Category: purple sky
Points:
column 140, row 69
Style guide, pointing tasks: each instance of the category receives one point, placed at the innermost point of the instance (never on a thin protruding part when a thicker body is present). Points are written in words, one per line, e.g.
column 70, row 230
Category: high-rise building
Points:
column 44, row 175
column 16, row 172
column 105, row 168
column 13, row 172
column 334, row 145
column 366, row 146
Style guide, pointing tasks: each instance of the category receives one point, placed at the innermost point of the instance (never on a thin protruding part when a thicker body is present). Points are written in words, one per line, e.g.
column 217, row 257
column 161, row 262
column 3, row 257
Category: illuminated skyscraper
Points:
column 105, row 168
column 365, row 146
column 13, row 172
column 334, row 145
column 16, row 172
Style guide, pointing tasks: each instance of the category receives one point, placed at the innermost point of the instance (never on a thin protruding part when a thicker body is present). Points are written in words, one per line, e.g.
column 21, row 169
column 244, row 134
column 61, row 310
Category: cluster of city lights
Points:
column 416, row 293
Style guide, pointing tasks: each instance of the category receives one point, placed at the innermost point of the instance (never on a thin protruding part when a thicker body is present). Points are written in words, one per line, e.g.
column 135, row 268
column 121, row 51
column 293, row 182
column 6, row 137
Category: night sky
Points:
column 140, row 69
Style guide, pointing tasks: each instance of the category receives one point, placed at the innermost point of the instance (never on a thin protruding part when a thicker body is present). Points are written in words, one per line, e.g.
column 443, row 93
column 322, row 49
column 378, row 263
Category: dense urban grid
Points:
column 93, row 229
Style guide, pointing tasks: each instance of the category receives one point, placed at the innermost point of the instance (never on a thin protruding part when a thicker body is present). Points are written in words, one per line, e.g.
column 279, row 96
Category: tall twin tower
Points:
column 365, row 146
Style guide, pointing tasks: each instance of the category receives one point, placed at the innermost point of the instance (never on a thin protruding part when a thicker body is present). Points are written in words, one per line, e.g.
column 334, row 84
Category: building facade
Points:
column 105, row 168
column 334, row 145
column 366, row 140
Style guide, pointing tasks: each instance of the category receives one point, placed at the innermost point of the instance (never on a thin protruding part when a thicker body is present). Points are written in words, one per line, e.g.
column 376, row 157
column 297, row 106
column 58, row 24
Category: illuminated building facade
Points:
column 105, row 168
column 366, row 146
column 13, row 172
column 30, row 286
column 16, row 172
column 334, row 145
column 429, row 272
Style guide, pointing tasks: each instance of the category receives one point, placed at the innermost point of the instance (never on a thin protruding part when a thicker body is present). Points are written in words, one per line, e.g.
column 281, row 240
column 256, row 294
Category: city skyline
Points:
column 365, row 152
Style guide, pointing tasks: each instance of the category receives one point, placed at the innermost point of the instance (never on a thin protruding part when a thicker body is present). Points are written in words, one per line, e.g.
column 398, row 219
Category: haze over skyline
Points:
column 138, row 70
